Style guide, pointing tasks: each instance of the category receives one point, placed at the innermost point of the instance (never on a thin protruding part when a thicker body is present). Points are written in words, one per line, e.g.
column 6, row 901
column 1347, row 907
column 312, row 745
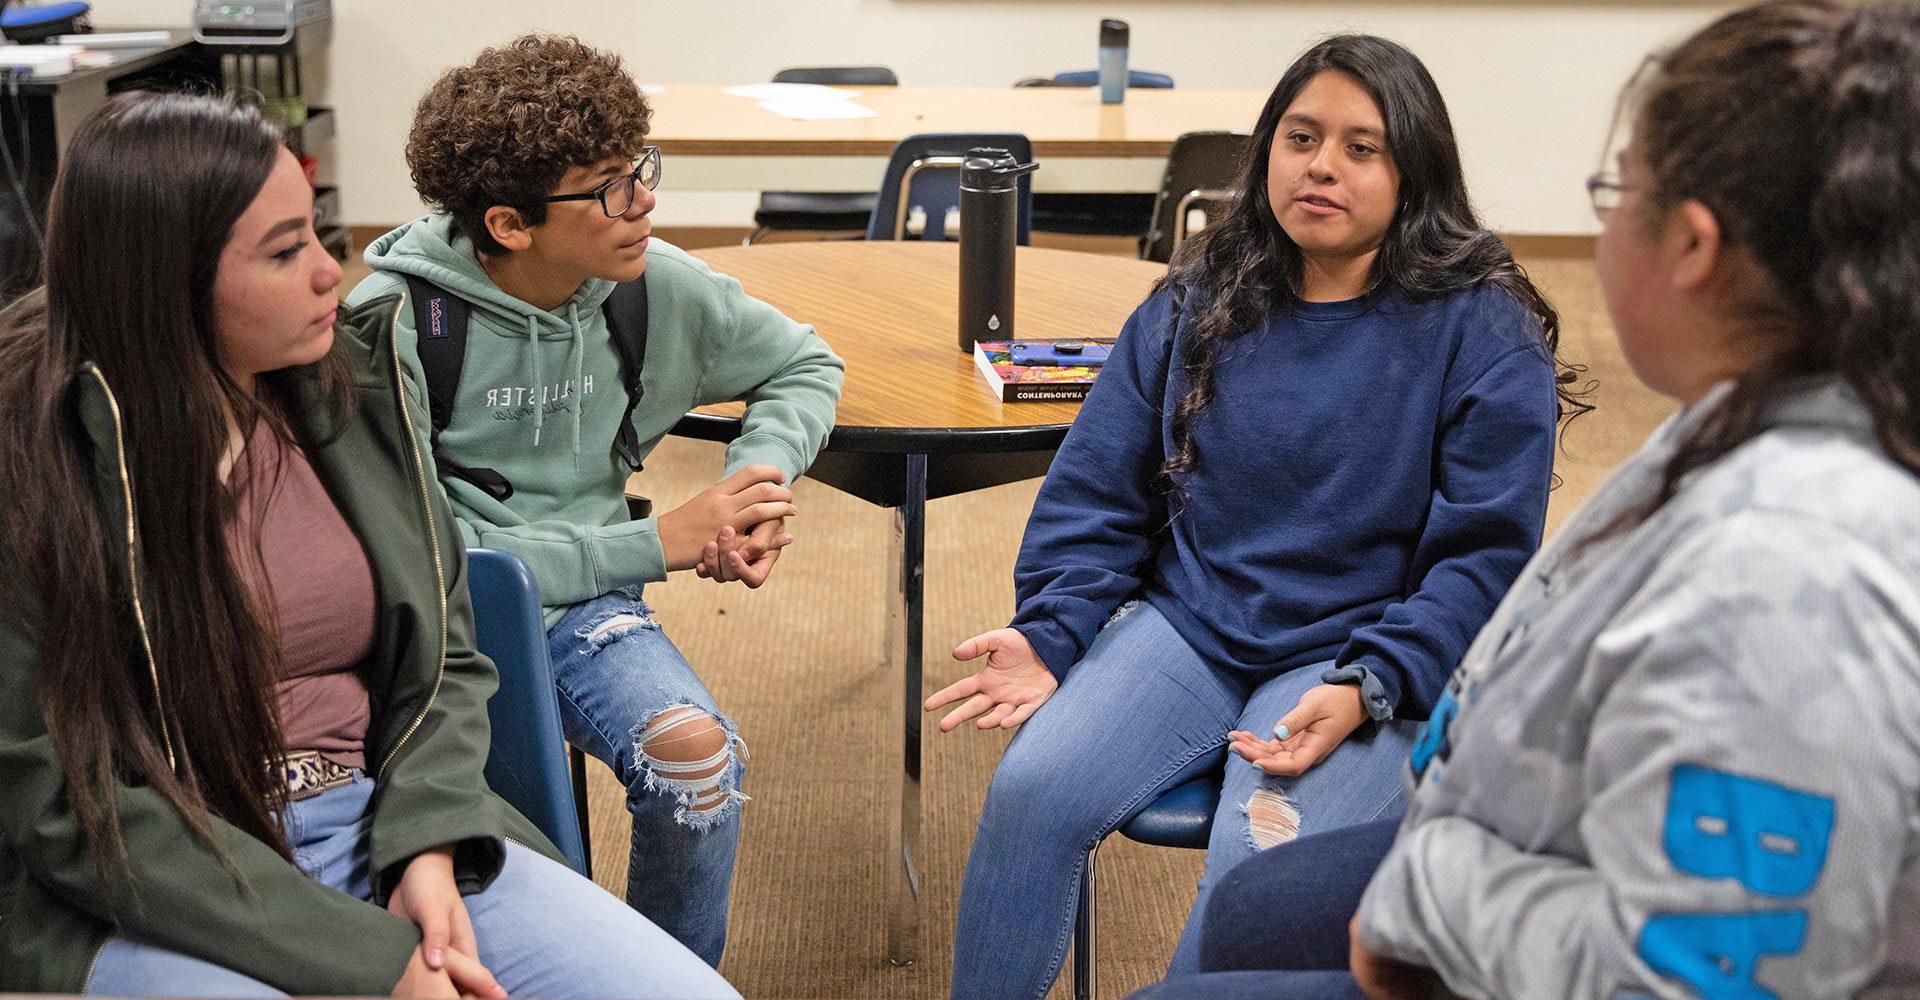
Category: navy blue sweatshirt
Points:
column 1373, row 476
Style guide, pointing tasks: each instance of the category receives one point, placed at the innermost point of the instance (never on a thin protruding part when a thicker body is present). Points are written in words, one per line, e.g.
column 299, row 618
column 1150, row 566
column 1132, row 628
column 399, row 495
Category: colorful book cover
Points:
column 1033, row 383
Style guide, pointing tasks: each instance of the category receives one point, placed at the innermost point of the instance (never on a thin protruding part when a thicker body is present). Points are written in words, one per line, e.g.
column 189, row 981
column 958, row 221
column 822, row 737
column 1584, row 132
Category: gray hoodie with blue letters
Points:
column 1684, row 760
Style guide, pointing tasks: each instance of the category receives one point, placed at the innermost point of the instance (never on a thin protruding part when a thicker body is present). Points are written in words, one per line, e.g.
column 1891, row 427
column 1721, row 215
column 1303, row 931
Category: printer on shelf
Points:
column 305, row 24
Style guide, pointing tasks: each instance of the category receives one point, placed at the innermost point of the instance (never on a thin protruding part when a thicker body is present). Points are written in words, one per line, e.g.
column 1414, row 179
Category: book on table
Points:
column 1014, row 382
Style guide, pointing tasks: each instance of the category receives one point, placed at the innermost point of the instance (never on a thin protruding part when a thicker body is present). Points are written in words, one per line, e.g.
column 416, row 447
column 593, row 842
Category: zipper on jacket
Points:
column 133, row 571
column 433, row 535
column 93, row 966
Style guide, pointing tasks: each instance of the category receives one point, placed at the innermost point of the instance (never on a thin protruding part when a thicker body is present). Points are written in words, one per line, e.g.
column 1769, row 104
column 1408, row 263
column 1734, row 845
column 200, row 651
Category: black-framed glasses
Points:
column 616, row 196
column 1605, row 192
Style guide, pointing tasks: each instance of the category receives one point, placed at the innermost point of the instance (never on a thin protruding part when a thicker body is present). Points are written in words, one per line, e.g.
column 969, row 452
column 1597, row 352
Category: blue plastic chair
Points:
column 1138, row 79
column 1182, row 816
column 36, row 22
column 934, row 187
column 527, row 765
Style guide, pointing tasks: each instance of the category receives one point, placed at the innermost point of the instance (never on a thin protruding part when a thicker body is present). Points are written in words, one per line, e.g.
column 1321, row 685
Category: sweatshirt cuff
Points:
column 477, row 861
column 763, row 449
column 627, row 556
column 1379, row 687
column 1052, row 644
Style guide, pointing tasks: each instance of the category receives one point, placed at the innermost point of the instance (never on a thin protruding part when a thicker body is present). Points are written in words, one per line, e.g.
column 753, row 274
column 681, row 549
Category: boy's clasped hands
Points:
column 732, row 530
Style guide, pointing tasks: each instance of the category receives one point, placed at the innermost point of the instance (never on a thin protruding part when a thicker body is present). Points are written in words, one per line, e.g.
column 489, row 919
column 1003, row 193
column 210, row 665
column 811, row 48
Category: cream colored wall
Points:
column 1530, row 82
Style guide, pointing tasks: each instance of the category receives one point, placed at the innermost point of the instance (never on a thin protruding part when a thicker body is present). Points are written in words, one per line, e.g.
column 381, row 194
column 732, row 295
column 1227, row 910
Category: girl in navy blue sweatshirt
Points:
column 1317, row 458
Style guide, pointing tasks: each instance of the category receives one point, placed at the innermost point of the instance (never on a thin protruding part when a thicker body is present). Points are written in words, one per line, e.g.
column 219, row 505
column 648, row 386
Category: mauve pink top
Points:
column 321, row 597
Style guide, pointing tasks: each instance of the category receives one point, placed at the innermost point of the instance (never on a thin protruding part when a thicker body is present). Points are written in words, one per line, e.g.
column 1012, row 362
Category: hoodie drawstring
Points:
column 579, row 384
column 576, row 387
column 540, row 382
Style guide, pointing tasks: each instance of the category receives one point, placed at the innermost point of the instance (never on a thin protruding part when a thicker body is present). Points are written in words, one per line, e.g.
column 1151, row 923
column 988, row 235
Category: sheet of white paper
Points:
column 115, row 39
column 794, row 92
column 818, row 111
column 653, row 88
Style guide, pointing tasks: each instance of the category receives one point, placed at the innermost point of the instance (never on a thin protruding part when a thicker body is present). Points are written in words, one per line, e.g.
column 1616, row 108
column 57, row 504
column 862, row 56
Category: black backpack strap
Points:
column 440, row 327
column 626, row 312
column 440, row 331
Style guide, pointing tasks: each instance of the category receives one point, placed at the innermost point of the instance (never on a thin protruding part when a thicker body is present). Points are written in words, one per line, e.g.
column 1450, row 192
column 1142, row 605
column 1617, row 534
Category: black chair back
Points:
column 1201, row 170
column 820, row 211
column 839, row 76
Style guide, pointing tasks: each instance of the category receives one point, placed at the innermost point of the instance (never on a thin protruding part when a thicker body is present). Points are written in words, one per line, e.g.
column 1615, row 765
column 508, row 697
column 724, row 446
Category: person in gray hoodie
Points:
column 535, row 158
column 1683, row 758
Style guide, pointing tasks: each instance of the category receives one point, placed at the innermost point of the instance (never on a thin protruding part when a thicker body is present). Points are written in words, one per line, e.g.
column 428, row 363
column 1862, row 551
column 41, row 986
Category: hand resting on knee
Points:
column 1009, row 689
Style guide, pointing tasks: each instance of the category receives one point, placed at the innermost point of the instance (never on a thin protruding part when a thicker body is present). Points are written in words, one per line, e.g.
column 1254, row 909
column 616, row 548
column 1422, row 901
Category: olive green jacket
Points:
column 426, row 744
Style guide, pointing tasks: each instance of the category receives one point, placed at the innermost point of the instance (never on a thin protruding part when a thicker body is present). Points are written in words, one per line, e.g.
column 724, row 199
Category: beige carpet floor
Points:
column 797, row 664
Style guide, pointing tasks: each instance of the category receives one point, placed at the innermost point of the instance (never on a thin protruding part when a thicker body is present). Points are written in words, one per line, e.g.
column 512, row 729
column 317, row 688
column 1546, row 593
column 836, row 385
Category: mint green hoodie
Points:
column 541, row 397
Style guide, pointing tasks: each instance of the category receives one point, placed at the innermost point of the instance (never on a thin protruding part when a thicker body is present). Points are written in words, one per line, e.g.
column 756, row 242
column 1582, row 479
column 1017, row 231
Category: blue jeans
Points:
column 1140, row 713
column 1276, row 926
column 1304, row 985
column 619, row 674
column 543, row 930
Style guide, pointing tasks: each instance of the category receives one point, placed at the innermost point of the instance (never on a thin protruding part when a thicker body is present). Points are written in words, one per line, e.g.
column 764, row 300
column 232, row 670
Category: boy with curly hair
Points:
column 534, row 159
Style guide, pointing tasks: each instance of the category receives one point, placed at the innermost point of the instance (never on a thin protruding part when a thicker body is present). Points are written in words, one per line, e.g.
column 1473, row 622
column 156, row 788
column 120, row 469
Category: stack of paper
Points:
column 807, row 102
column 39, row 60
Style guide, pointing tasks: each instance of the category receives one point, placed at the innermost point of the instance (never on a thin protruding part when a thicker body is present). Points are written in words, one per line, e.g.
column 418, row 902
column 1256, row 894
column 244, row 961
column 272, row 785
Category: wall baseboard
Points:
column 1549, row 244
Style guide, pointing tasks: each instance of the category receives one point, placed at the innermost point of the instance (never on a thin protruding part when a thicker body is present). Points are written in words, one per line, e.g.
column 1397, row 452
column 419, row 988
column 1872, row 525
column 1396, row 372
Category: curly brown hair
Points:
column 504, row 128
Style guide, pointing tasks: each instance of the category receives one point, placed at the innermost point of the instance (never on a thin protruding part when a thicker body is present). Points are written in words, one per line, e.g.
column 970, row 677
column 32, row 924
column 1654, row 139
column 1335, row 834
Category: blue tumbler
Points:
column 1113, row 61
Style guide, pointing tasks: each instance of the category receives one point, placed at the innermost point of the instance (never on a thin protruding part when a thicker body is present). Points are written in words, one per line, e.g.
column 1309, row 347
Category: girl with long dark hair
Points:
column 244, row 724
column 1319, row 455
column 1683, row 759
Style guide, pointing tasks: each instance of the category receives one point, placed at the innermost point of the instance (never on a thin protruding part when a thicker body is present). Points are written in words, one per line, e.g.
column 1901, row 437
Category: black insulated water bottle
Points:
column 989, row 229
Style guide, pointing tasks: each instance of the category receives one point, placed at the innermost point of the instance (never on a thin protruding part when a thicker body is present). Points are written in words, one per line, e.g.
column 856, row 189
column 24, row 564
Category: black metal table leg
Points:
column 904, row 633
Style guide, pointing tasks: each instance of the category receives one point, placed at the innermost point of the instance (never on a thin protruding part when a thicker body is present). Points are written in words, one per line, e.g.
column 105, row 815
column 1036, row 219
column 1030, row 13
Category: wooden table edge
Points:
column 702, row 426
column 1057, row 149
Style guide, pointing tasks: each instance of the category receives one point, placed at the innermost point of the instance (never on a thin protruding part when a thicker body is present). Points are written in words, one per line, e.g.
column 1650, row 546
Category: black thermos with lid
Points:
column 989, row 229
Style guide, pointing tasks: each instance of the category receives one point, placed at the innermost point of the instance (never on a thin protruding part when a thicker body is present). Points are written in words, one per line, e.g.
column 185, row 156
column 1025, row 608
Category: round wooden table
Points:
column 917, row 420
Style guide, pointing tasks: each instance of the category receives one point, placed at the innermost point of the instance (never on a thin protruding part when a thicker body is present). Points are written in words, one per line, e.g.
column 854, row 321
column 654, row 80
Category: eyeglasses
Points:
column 1605, row 193
column 616, row 196
column 1607, row 184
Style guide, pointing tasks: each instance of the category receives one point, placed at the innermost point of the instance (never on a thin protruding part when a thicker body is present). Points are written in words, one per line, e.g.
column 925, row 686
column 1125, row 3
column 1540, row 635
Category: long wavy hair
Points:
column 1242, row 269
column 147, row 194
column 1797, row 124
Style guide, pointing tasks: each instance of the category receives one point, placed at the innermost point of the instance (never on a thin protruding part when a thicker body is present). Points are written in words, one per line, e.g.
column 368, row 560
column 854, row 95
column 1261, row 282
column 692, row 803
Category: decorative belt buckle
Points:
column 307, row 774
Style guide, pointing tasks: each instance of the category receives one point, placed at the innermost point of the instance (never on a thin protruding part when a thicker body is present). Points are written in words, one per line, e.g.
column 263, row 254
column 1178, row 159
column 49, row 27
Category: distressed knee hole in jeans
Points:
column 1122, row 611
column 694, row 755
column 1272, row 819
column 610, row 628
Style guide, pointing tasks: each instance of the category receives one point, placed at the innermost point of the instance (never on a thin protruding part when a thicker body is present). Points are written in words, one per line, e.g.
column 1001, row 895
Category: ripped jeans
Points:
column 1140, row 713
column 630, row 699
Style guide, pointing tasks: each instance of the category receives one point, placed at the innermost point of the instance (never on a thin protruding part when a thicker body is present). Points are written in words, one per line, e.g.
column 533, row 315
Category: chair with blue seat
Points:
column 1182, row 816
column 1138, row 79
column 36, row 22
column 1095, row 213
column 924, row 173
column 820, row 211
column 528, row 762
